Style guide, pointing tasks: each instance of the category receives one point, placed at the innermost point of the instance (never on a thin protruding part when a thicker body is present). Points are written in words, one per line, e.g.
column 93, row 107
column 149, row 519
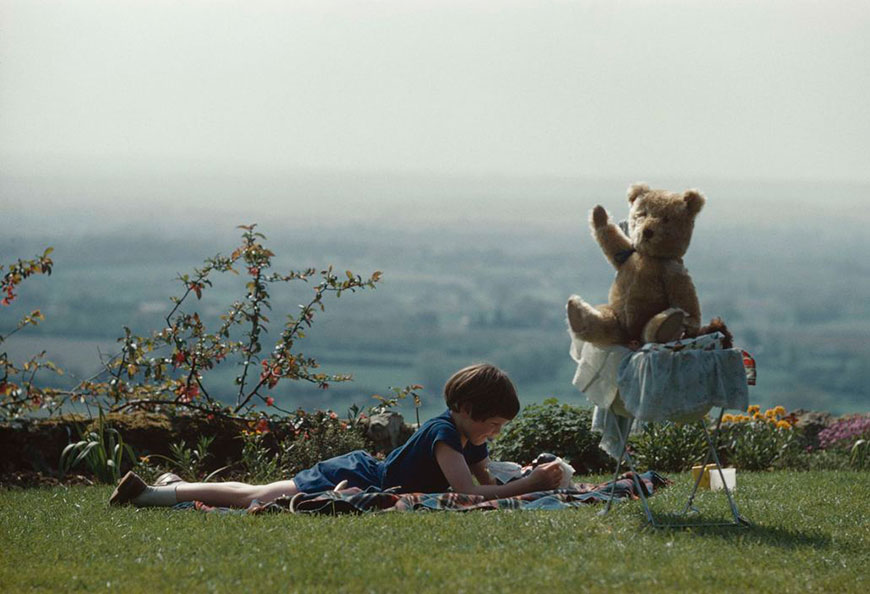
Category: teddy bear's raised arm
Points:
column 614, row 243
column 681, row 293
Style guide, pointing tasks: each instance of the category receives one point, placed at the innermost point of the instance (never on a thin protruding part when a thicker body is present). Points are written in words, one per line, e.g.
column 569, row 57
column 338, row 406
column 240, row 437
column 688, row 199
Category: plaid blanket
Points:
column 372, row 500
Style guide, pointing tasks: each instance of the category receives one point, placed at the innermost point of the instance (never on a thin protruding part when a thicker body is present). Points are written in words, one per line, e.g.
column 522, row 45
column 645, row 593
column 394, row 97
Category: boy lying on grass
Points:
column 446, row 451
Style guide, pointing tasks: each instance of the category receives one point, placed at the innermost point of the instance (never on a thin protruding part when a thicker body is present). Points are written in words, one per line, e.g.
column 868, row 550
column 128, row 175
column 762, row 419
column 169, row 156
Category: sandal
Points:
column 130, row 487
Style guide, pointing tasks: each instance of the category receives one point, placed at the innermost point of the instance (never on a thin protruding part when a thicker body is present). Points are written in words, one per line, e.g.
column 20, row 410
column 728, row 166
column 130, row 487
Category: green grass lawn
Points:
column 810, row 533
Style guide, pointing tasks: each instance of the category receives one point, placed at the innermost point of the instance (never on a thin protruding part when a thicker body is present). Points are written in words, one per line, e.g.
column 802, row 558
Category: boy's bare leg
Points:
column 233, row 494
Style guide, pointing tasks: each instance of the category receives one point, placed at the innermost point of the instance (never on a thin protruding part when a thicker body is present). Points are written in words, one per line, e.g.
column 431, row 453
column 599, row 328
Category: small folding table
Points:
column 673, row 382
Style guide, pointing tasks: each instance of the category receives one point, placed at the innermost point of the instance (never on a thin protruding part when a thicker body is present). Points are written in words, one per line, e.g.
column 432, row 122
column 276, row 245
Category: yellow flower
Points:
column 758, row 417
column 728, row 418
column 780, row 410
column 753, row 409
column 742, row 418
column 769, row 413
column 783, row 425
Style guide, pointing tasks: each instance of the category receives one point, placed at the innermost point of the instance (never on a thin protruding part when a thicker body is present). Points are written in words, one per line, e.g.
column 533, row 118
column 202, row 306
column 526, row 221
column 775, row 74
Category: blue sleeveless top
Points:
column 411, row 467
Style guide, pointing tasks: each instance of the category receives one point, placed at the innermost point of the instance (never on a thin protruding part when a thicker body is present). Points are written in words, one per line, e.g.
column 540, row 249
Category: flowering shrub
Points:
column 752, row 441
column 776, row 416
column 559, row 429
column 844, row 433
column 758, row 441
column 312, row 437
column 18, row 391
column 166, row 371
column 847, row 437
column 271, row 448
column 278, row 448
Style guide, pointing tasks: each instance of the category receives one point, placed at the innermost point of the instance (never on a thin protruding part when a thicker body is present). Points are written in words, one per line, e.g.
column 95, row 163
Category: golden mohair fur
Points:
column 651, row 278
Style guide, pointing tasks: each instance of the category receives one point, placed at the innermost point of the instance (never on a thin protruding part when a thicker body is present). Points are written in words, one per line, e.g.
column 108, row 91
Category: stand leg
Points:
column 624, row 441
column 703, row 464
column 637, row 483
column 691, row 500
column 711, row 443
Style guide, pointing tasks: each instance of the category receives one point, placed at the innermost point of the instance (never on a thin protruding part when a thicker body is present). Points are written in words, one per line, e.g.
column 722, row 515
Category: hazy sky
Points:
column 564, row 88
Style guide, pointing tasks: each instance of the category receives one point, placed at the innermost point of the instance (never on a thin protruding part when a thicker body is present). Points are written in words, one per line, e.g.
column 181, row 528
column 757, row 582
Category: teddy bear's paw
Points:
column 580, row 315
column 666, row 326
column 599, row 217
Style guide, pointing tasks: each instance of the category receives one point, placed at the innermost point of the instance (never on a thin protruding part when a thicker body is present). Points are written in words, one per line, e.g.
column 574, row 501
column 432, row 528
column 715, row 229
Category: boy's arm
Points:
column 458, row 474
column 480, row 472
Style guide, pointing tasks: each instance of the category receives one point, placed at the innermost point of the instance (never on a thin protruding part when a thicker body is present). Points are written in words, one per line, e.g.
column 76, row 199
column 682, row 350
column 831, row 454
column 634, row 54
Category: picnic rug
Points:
column 357, row 501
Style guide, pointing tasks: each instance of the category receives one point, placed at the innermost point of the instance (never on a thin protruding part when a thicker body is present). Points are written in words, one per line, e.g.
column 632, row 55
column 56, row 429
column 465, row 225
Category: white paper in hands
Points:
column 505, row 472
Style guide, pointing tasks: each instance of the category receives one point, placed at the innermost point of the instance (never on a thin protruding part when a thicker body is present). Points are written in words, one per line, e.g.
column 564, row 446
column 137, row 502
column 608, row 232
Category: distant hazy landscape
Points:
column 473, row 270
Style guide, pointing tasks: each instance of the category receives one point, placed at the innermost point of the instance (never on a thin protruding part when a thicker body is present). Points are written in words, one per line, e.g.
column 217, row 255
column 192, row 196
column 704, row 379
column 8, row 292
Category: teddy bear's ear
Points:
column 694, row 201
column 636, row 191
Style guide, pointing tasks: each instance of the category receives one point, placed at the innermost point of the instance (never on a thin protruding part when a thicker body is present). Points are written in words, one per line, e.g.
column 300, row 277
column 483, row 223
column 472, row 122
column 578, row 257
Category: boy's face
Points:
column 478, row 432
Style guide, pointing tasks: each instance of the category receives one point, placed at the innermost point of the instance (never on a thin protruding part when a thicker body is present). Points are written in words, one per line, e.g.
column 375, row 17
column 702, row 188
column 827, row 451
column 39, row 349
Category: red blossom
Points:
column 262, row 426
column 270, row 401
column 186, row 393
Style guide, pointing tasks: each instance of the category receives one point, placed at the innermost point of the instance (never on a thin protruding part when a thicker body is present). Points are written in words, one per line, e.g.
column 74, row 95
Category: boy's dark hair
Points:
column 485, row 389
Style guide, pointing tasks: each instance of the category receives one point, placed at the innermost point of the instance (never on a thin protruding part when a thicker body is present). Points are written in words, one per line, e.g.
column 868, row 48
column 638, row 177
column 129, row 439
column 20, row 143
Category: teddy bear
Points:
column 652, row 298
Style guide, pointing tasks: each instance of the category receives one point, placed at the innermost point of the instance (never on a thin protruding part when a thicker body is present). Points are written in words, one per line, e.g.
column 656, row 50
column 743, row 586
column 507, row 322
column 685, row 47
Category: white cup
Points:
column 730, row 475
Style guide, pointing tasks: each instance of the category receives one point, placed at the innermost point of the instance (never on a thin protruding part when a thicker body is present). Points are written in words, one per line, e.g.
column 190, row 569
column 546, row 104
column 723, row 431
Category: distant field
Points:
column 456, row 295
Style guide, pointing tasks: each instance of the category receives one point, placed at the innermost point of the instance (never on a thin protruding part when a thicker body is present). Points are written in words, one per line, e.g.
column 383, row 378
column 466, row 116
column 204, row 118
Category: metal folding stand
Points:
column 738, row 520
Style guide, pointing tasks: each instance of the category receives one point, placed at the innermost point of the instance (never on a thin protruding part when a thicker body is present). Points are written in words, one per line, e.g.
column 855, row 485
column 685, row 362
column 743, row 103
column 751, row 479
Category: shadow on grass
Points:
column 753, row 533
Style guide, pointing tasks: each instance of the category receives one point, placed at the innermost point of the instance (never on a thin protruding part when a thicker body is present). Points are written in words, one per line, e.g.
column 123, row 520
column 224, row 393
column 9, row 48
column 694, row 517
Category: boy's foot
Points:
column 130, row 487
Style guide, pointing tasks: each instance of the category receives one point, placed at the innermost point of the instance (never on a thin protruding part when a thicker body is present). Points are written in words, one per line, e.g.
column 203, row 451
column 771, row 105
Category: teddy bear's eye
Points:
column 664, row 219
column 640, row 215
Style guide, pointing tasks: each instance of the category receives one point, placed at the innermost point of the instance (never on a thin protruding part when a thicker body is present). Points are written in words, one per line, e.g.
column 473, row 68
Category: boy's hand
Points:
column 547, row 476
